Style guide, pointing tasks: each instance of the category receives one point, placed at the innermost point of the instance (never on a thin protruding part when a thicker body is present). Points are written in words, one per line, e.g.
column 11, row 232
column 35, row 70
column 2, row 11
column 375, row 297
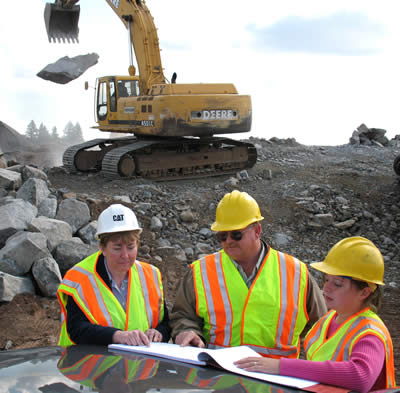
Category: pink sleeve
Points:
column 359, row 373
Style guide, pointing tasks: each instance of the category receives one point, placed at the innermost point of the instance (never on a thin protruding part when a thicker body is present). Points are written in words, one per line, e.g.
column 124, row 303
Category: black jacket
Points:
column 82, row 331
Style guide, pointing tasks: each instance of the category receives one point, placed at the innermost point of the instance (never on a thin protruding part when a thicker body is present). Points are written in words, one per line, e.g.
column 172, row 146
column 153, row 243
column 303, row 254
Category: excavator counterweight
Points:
column 62, row 21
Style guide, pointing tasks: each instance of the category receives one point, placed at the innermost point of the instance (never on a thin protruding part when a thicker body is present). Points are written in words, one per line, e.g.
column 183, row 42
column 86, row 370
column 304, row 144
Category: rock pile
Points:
column 44, row 231
column 40, row 237
column 371, row 136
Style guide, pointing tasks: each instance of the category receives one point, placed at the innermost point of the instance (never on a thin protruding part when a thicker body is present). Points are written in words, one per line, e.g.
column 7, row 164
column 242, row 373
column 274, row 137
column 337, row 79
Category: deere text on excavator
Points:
column 172, row 125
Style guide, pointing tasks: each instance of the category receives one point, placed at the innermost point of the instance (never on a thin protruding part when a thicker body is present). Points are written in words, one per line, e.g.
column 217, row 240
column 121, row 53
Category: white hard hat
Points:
column 117, row 218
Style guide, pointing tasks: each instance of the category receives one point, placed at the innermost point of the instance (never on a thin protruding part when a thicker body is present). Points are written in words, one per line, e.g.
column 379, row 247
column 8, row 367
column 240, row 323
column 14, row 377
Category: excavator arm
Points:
column 143, row 37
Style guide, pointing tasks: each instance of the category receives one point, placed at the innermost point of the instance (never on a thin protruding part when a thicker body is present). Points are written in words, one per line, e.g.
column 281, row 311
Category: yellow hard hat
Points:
column 355, row 257
column 236, row 210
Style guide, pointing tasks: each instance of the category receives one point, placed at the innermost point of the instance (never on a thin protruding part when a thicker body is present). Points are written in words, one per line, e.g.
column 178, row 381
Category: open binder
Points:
column 222, row 358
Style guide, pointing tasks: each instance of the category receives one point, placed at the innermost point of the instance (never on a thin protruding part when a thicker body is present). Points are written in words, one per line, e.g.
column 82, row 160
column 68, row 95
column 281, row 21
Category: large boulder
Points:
column 69, row 253
column 11, row 286
column 47, row 276
column 34, row 190
column 55, row 231
column 21, row 251
column 10, row 180
column 15, row 215
column 66, row 69
column 74, row 212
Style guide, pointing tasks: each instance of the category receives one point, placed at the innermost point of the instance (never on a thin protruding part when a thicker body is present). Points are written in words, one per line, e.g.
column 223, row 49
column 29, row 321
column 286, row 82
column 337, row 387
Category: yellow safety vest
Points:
column 268, row 317
column 339, row 346
column 145, row 303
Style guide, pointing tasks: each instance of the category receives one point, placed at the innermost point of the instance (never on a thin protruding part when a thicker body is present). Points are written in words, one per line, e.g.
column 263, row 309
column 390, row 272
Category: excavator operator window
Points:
column 102, row 101
column 128, row 88
column 134, row 88
column 113, row 99
column 122, row 90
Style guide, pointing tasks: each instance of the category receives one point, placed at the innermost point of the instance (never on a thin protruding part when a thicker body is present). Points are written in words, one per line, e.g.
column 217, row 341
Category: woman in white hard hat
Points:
column 110, row 297
column 350, row 346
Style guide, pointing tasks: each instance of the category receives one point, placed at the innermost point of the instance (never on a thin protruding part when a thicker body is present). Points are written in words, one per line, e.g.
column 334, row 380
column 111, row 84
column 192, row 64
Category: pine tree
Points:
column 78, row 133
column 73, row 133
column 54, row 134
column 68, row 132
column 31, row 131
column 43, row 134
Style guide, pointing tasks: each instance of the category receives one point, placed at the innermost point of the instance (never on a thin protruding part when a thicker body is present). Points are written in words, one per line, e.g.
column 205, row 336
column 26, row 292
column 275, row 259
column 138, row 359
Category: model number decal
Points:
column 115, row 3
column 147, row 123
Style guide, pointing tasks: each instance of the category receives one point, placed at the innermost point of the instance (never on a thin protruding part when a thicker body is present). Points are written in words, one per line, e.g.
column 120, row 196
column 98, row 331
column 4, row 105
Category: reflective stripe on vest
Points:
column 150, row 279
column 145, row 302
column 339, row 346
column 231, row 311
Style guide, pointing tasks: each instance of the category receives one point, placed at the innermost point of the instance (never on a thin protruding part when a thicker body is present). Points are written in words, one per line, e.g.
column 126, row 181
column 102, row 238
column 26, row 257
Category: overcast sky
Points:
column 315, row 69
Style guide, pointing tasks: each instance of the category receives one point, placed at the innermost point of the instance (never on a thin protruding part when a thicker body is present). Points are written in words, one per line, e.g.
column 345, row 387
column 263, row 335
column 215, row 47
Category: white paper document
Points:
column 223, row 357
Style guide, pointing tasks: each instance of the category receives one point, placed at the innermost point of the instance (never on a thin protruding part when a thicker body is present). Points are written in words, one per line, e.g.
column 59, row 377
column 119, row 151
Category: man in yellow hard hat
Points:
column 247, row 293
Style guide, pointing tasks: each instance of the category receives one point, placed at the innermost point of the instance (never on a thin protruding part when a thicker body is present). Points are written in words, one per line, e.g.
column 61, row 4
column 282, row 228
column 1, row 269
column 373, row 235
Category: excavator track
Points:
column 162, row 159
column 87, row 156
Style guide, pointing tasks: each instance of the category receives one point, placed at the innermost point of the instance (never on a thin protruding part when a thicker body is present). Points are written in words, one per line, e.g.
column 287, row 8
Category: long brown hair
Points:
column 374, row 300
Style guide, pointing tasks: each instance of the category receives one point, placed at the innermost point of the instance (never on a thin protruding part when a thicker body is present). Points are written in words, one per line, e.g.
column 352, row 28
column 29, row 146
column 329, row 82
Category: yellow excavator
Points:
column 172, row 126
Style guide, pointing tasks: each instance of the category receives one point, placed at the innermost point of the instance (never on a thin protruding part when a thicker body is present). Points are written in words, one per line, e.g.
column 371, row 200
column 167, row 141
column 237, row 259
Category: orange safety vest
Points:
column 339, row 346
column 268, row 317
column 145, row 305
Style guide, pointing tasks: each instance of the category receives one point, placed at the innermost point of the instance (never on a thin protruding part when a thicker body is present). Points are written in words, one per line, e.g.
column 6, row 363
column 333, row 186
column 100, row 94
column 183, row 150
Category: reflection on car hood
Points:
column 81, row 368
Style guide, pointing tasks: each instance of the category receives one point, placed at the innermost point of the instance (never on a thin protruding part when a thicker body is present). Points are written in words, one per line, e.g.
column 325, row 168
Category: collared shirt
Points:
column 249, row 280
column 121, row 293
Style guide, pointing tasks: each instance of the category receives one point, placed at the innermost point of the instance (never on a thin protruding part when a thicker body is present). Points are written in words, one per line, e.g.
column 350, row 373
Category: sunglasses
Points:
column 235, row 235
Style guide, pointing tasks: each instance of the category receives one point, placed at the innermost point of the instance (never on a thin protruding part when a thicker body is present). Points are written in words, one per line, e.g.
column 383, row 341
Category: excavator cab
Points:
column 61, row 20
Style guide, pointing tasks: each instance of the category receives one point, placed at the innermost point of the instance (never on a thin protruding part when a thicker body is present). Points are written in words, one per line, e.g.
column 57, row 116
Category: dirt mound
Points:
column 15, row 147
column 11, row 140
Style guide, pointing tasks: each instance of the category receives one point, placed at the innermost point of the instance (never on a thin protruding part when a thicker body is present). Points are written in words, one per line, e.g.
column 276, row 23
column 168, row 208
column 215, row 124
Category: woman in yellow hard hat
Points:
column 349, row 346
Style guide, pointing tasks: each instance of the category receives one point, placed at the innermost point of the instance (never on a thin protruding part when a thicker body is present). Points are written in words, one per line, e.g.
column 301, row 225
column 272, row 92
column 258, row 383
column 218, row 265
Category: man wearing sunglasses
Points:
column 247, row 293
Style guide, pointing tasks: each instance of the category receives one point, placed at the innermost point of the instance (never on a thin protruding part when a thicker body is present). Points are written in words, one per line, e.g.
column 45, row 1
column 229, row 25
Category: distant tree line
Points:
column 71, row 134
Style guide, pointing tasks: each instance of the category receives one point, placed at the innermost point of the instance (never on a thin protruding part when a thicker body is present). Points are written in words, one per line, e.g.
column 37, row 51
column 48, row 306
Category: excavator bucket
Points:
column 62, row 23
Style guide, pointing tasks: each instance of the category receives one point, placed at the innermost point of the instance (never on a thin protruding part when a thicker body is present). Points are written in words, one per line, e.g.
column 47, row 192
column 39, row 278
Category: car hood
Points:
column 91, row 368
column 82, row 368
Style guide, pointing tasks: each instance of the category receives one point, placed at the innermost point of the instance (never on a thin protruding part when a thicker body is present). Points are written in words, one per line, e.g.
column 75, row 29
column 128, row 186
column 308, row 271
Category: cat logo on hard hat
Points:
column 118, row 217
